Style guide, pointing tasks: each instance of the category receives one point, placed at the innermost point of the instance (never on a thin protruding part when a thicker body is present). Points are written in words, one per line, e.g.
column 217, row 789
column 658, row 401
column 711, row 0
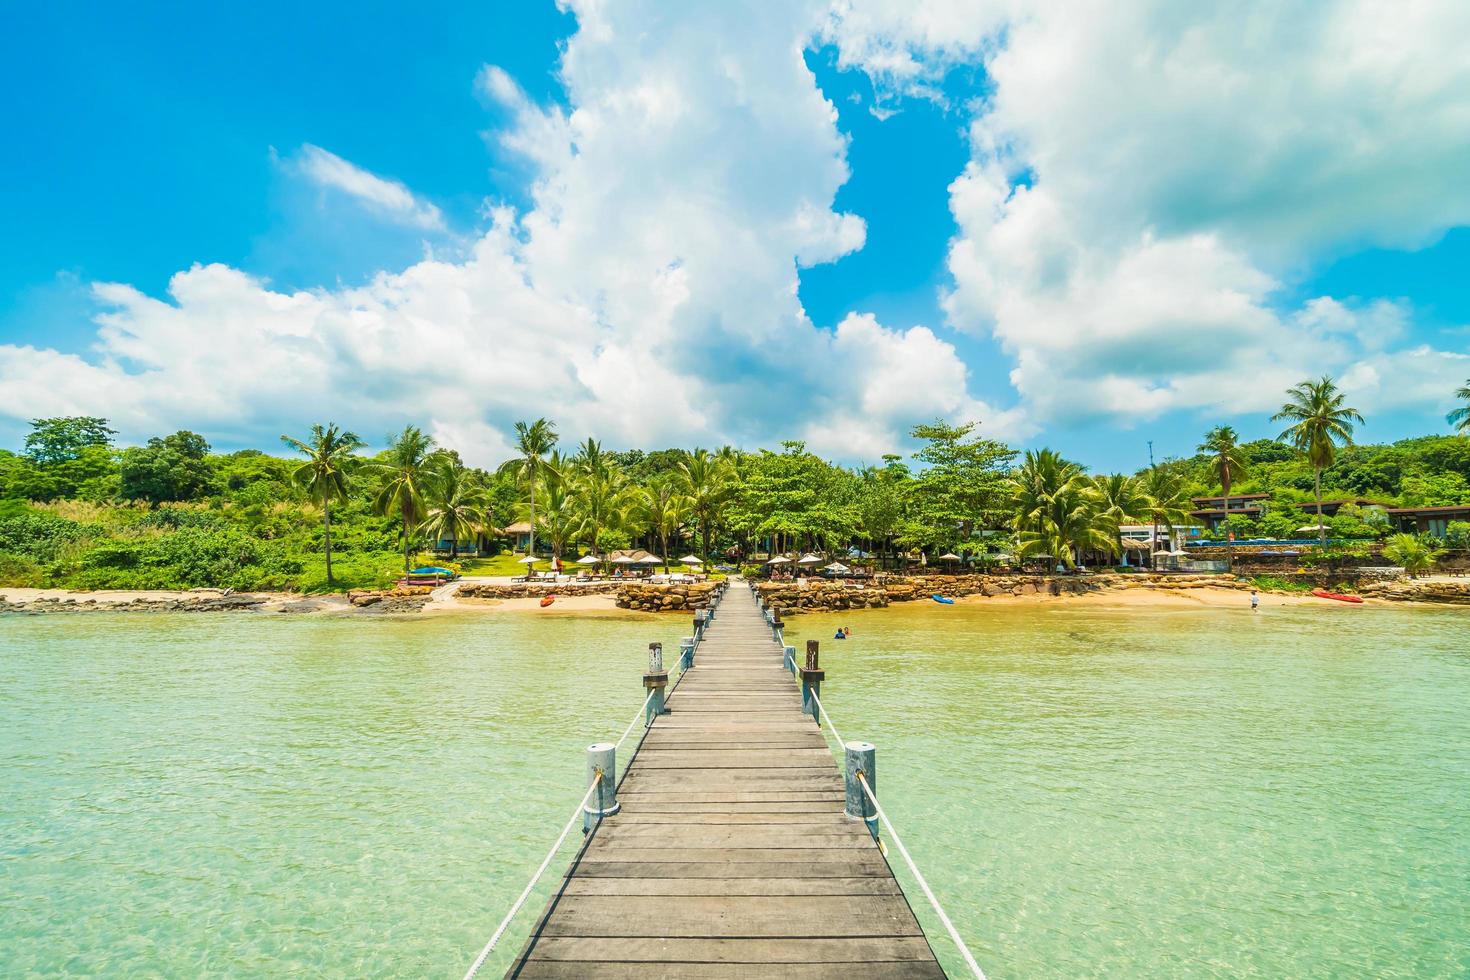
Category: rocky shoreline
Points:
column 814, row 597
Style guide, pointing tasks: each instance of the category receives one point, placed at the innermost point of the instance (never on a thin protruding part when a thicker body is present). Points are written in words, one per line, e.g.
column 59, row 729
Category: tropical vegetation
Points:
column 78, row 511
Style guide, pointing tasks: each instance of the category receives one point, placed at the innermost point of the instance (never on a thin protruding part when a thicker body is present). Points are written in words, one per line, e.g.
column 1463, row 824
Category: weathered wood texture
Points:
column 731, row 856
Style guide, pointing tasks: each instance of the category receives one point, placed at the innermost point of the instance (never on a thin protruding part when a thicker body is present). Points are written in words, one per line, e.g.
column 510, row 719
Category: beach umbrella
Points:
column 1161, row 553
column 692, row 560
column 1312, row 529
column 837, row 567
column 623, row 560
column 779, row 560
column 529, row 560
column 808, row 559
column 949, row 556
column 647, row 560
column 588, row 560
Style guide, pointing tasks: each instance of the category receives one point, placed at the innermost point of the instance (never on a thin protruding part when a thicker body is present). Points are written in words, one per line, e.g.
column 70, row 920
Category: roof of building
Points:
column 1234, row 496
column 1356, row 501
column 1430, row 511
column 519, row 527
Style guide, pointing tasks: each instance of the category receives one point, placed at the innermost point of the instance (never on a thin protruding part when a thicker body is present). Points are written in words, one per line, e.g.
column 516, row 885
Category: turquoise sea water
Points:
column 1091, row 791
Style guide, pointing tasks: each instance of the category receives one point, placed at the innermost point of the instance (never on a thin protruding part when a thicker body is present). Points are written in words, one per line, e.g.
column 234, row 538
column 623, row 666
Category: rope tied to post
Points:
column 919, row 877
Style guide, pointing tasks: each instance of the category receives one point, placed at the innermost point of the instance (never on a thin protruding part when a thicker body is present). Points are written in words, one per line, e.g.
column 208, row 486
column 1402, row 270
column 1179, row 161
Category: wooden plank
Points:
column 539, row 969
column 687, row 886
column 737, row 951
column 853, row 864
column 744, row 916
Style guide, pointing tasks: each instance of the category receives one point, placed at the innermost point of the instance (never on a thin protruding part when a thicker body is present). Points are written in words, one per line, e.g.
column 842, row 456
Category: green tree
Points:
column 533, row 441
column 1460, row 417
column 558, row 515
column 601, row 493
column 1118, row 500
column 663, row 509
column 709, row 482
column 1320, row 422
column 172, row 468
column 1226, row 456
column 406, row 469
column 457, row 505
column 324, row 474
column 962, row 487
column 61, row 440
column 1054, row 509
column 1414, row 553
column 1168, row 500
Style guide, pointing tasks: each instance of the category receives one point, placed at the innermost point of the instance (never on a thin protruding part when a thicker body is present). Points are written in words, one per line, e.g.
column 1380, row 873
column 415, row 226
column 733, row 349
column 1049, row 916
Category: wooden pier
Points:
column 731, row 856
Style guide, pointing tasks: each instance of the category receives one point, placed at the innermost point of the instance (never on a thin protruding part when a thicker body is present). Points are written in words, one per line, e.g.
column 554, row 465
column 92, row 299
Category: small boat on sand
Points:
column 1324, row 594
column 547, row 600
column 939, row 598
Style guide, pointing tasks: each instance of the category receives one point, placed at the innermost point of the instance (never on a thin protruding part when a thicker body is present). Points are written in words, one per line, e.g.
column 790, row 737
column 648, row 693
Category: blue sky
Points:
column 824, row 222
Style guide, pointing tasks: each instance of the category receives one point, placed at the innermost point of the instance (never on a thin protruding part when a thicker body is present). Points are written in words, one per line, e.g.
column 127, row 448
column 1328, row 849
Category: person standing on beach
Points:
column 1255, row 600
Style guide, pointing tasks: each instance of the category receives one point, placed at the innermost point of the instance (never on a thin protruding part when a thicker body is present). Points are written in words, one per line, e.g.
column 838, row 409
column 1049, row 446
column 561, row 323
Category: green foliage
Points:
column 1415, row 553
column 171, row 468
column 62, row 440
column 1457, row 535
column 1271, row 583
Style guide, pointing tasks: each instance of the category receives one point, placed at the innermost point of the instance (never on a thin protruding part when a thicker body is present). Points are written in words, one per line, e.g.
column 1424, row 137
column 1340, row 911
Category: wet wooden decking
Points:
column 731, row 856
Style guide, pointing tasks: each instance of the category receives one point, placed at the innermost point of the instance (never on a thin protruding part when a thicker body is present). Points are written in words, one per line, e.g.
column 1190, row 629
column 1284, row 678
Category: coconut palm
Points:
column 1118, row 500
column 1227, row 459
column 1320, row 423
column 324, row 474
column 1460, row 417
column 406, row 469
column 558, row 515
column 603, row 498
column 1054, row 508
column 663, row 510
column 1415, row 554
column 709, row 481
column 1168, row 500
column 458, row 505
column 533, row 441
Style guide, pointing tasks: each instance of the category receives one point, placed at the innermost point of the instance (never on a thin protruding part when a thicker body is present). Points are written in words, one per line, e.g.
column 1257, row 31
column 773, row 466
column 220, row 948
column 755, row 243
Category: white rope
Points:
column 634, row 723
column 505, row 922
column 953, row 933
column 828, row 719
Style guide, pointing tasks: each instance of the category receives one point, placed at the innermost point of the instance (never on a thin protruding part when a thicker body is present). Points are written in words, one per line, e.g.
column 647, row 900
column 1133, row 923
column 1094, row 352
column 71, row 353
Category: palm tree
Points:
column 1320, row 423
column 406, row 469
column 663, row 509
column 1118, row 500
column 708, row 481
column 1227, row 460
column 533, row 441
column 1168, row 501
column 458, row 505
column 559, row 514
column 1054, row 506
column 1460, row 417
column 1415, row 554
column 602, row 500
column 324, row 473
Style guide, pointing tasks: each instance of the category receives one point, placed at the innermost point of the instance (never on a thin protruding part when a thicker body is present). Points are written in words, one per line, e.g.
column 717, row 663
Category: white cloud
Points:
column 1149, row 178
column 388, row 198
column 648, row 297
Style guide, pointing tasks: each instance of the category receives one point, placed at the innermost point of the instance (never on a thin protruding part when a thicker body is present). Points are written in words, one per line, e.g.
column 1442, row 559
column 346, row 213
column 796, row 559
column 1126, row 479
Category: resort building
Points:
column 1331, row 507
column 519, row 534
column 1212, row 511
column 1428, row 520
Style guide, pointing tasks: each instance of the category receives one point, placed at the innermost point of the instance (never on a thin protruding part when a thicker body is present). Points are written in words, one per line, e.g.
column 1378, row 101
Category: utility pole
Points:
column 1150, row 454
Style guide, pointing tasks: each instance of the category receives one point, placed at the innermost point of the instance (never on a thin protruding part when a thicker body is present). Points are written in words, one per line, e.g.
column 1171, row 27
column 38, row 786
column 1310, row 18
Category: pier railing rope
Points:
column 919, row 877
column 686, row 663
column 856, row 756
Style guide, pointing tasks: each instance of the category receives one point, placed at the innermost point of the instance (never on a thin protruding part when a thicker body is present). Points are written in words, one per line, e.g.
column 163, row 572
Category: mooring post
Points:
column 654, row 682
column 811, row 682
column 777, row 625
column 602, row 771
column 861, row 758
column 791, row 660
column 700, row 619
column 686, row 653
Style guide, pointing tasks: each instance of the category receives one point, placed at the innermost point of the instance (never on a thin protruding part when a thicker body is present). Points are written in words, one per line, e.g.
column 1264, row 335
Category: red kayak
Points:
column 547, row 600
column 1324, row 594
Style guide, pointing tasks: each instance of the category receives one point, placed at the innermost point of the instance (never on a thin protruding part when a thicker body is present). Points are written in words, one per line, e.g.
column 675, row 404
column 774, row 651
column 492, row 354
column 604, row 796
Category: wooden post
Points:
column 861, row 757
column 811, row 682
column 654, row 681
column 700, row 619
column 777, row 625
column 602, row 765
column 686, row 653
column 791, row 660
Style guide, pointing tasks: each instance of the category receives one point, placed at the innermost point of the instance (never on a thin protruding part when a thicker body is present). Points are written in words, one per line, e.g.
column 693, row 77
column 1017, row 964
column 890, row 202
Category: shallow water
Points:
column 1187, row 792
